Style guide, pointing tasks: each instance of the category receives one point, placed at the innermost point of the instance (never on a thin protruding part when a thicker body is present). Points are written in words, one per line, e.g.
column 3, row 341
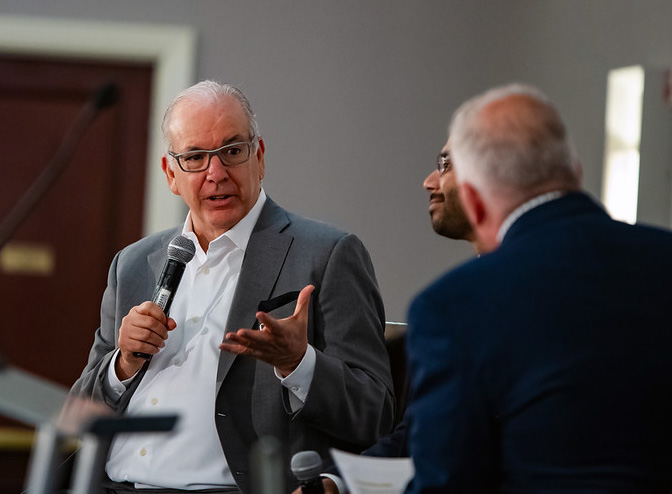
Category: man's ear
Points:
column 472, row 203
column 170, row 175
column 261, row 150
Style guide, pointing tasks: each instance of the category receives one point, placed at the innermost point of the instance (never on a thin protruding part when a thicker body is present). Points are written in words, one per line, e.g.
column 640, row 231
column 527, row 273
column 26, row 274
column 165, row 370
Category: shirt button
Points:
column 155, row 401
column 195, row 319
column 294, row 388
column 143, row 452
column 206, row 271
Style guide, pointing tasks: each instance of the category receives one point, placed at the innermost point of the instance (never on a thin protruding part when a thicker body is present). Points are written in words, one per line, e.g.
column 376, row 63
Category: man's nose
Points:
column 217, row 169
column 431, row 182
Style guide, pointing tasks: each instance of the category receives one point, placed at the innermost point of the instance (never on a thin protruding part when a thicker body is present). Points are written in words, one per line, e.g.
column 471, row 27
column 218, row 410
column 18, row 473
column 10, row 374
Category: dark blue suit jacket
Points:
column 392, row 445
column 546, row 366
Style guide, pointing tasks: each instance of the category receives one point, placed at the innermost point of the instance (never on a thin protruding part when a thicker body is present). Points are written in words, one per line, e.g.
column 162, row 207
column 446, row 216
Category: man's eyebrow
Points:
column 235, row 138
column 230, row 140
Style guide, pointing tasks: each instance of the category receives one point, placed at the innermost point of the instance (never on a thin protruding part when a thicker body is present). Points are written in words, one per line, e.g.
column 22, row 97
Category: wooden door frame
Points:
column 172, row 52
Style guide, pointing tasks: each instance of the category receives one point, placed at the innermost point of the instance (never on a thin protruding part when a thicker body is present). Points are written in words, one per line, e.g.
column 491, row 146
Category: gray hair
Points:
column 210, row 91
column 516, row 149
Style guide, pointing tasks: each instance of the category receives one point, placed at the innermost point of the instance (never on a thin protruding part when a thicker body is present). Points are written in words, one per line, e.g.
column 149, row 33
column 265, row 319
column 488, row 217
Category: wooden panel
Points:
column 53, row 277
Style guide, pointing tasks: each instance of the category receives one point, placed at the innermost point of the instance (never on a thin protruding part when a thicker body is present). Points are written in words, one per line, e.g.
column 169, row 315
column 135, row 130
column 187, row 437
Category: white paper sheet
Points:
column 372, row 475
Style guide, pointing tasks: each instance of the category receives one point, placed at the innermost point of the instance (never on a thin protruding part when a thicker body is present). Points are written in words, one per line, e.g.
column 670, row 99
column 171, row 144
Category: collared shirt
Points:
column 181, row 378
column 524, row 208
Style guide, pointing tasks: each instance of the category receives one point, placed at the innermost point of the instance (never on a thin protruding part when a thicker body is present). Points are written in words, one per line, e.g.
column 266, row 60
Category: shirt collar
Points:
column 239, row 233
column 524, row 208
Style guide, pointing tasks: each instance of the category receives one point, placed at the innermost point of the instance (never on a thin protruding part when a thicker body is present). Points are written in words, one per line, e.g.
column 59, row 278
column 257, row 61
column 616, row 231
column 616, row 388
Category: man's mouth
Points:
column 434, row 198
column 218, row 198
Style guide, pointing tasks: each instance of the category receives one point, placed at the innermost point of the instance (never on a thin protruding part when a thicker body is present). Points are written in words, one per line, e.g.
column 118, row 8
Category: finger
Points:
column 151, row 309
column 266, row 321
column 144, row 317
column 232, row 348
column 149, row 332
column 156, row 321
column 248, row 337
column 269, row 323
column 140, row 347
column 142, row 340
column 145, row 335
column 239, row 349
column 303, row 302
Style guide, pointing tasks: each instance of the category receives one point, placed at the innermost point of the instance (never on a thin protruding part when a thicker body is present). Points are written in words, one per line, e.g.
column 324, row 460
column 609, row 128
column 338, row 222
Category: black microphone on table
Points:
column 181, row 250
column 306, row 466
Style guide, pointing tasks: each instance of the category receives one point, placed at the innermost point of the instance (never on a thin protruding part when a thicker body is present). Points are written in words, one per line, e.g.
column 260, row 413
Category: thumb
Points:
column 302, row 303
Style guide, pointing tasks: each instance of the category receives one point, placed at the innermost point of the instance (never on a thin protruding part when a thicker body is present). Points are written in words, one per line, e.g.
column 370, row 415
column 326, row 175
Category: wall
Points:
column 568, row 47
column 353, row 97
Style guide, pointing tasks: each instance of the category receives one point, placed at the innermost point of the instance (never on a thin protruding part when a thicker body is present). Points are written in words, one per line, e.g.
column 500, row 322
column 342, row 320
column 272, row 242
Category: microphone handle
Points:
column 165, row 291
column 312, row 486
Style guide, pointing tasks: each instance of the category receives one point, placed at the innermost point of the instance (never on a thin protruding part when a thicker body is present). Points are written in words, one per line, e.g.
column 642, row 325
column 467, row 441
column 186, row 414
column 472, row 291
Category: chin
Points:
column 223, row 223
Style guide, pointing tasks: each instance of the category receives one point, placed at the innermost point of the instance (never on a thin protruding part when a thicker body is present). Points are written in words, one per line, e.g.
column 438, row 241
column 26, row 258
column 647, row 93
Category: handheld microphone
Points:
column 181, row 250
column 306, row 466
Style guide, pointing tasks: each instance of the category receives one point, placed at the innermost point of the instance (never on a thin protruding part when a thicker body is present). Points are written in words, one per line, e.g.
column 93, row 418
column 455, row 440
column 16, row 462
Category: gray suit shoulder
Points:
column 315, row 227
column 274, row 216
column 150, row 243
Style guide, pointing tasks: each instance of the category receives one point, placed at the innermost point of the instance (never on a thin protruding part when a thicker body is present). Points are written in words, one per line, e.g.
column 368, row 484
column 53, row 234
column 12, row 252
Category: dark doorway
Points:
column 54, row 269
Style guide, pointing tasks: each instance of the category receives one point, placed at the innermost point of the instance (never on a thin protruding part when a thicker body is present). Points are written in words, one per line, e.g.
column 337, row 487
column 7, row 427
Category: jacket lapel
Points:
column 264, row 258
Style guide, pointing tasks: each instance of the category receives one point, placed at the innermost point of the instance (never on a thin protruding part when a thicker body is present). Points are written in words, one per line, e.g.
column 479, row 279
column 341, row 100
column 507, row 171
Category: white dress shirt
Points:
column 181, row 378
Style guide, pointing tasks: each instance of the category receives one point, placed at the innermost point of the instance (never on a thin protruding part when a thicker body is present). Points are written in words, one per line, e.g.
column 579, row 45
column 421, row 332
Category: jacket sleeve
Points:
column 351, row 395
column 449, row 419
column 93, row 382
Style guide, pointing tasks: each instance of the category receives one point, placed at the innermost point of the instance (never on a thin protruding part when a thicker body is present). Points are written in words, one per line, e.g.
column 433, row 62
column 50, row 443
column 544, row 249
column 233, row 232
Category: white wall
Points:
column 568, row 47
column 353, row 97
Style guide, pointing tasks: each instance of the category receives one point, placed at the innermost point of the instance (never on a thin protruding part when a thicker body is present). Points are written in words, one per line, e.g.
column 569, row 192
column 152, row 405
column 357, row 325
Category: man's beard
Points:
column 452, row 222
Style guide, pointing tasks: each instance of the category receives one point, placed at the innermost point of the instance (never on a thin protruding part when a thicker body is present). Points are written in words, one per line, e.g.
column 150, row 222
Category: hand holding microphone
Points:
column 146, row 326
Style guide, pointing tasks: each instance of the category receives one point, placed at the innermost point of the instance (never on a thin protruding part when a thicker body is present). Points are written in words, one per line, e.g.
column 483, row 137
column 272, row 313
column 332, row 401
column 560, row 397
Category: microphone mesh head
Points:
column 181, row 249
column 306, row 465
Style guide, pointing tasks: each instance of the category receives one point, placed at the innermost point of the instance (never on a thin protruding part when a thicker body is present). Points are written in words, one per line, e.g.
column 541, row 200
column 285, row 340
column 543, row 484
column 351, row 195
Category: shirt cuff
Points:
column 117, row 387
column 298, row 382
column 340, row 485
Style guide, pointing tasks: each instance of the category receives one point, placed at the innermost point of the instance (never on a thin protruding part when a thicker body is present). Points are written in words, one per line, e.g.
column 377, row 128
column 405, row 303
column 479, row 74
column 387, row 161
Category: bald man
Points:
column 545, row 365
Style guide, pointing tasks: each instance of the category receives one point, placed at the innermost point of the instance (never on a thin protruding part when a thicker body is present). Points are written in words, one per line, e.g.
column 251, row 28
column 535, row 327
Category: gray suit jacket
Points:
column 350, row 402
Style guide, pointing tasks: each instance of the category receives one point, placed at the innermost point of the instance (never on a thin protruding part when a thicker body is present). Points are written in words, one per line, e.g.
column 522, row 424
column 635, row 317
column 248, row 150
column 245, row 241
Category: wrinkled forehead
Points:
column 199, row 116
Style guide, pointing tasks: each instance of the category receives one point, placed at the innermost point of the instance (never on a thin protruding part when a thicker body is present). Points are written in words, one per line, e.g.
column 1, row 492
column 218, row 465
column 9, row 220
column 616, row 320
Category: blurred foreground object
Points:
column 60, row 420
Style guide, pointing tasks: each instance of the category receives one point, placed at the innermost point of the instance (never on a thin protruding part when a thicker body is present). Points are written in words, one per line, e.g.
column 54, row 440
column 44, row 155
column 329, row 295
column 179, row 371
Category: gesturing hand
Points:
column 144, row 329
column 279, row 342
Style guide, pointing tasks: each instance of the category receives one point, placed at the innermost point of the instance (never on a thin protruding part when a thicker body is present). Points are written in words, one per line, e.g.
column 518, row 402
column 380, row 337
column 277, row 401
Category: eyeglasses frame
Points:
column 215, row 152
column 443, row 164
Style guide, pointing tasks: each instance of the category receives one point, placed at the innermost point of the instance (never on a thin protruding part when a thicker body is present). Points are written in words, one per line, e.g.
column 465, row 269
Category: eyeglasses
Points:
column 444, row 164
column 199, row 160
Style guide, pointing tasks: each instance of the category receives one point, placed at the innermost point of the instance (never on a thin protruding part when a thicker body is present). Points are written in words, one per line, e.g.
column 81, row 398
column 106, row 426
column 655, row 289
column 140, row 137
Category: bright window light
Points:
column 625, row 88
